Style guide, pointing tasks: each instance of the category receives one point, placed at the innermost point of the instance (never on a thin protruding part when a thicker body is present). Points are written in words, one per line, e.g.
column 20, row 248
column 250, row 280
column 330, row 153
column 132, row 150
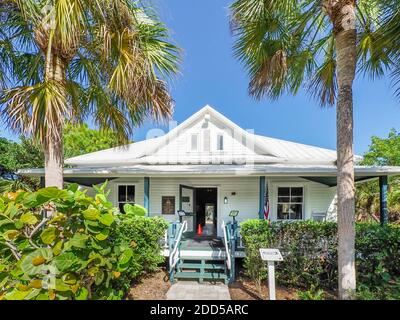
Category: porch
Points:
column 149, row 190
column 244, row 193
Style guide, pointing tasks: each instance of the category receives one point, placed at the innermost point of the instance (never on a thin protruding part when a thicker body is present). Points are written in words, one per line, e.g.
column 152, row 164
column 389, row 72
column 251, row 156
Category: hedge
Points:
column 310, row 253
column 143, row 235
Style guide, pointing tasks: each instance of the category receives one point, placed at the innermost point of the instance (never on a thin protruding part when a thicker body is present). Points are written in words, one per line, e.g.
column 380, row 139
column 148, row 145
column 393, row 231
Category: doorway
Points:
column 206, row 210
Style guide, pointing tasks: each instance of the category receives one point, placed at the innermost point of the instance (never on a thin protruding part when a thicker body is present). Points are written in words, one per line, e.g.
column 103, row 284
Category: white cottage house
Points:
column 207, row 169
column 209, row 166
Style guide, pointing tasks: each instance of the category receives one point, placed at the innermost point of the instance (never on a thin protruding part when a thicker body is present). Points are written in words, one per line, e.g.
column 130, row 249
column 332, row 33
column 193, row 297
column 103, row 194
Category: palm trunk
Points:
column 345, row 41
column 53, row 161
column 53, row 148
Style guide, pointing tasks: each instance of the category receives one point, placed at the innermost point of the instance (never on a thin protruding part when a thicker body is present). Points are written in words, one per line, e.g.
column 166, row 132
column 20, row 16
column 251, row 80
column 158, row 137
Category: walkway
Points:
column 192, row 290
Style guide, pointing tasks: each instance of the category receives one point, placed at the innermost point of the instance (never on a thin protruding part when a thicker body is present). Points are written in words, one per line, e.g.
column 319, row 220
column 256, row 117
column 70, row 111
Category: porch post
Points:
column 146, row 201
column 261, row 198
column 42, row 183
column 383, row 188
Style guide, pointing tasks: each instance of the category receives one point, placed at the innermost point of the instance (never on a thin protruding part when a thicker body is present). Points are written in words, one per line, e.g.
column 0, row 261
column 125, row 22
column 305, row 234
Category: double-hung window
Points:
column 290, row 203
column 126, row 194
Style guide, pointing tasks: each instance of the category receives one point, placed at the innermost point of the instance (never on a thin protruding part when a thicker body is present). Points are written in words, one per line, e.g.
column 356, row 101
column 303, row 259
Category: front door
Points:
column 187, row 203
column 206, row 209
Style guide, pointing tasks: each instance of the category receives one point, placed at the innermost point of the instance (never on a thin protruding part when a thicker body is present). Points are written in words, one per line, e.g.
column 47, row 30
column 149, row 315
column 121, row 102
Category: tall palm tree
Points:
column 321, row 43
column 71, row 59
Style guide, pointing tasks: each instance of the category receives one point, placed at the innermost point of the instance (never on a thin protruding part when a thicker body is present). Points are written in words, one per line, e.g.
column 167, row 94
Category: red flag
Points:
column 266, row 203
column 266, row 210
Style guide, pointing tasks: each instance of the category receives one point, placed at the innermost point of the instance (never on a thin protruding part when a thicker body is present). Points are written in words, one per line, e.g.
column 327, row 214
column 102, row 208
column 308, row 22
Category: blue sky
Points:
column 211, row 75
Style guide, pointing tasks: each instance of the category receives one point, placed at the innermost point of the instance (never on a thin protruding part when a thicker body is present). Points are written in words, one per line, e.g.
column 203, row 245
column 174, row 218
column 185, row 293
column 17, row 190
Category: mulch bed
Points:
column 155, row 286
column 245, row 289
column 150, row 287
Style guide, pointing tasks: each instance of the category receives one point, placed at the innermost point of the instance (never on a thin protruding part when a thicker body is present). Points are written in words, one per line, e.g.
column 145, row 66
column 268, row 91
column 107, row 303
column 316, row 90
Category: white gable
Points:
column 195, row 141
column 207, row 140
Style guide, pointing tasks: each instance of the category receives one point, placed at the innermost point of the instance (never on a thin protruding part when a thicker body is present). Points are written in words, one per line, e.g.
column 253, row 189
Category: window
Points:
column 220, row 142
column 126, row 194
column 168, row 205
column 206, row 140
column 194, row 142
column 290, row 203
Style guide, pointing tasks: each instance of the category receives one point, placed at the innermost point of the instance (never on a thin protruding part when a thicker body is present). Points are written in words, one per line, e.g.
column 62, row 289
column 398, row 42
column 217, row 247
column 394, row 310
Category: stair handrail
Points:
column 172, row 259
column 166, row 239
column 226, row 242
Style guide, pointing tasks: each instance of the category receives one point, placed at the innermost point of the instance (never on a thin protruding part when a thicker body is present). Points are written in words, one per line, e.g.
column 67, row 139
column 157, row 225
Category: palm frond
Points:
column 302, row 30
column 115, row 56
column 323, row 85
column 38, row 109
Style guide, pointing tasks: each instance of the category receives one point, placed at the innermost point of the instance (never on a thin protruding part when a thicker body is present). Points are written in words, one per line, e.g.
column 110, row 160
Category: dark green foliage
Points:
column 143, row 235
column 310, row 254
column 382, row 152
column 80, row 139
column 378, row 254
column 26, row 154
column 309, row 250
column 14, row 156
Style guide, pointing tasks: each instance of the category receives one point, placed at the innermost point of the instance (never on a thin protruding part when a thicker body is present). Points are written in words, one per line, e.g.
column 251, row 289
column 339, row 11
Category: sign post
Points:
column 271, row 255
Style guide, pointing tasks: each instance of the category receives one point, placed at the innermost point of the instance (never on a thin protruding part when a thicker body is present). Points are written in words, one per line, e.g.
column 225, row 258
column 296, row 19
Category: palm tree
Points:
column 284, row 44
column 73, row 59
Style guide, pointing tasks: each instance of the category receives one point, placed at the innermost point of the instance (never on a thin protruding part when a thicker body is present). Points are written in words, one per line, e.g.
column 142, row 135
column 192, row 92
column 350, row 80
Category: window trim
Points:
column 276, row 198
column 117, row 185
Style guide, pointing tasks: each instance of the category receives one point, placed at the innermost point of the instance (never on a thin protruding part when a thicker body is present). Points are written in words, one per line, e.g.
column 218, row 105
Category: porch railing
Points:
column 175, row 232
column 226, row 232
column 231, row 237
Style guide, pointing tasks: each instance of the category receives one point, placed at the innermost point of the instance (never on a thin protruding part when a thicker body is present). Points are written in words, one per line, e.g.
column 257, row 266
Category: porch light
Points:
column 225, row 200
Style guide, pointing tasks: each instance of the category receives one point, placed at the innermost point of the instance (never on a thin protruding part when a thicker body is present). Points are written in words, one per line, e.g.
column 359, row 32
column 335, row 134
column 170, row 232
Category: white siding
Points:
column 317, row 197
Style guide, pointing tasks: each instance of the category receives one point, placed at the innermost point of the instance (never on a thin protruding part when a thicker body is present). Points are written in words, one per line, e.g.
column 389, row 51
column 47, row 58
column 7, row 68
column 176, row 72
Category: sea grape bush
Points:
column 310, row 254
column 60, row 244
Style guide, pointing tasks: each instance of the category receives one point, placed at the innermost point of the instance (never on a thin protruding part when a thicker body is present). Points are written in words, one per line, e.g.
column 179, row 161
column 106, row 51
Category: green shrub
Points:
column 377, row 253
column 310, row 253
column 142, row 234
column 72, row 253
column 309, row 250
column 312, row 294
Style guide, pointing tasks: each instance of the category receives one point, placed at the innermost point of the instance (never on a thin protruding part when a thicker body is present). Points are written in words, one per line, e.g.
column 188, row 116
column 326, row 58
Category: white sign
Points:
column 271, row 255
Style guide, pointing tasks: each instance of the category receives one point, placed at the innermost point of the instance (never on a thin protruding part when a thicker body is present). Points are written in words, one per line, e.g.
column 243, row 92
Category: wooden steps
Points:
column 201, row 268
column 213, row 266
column 201, row 275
